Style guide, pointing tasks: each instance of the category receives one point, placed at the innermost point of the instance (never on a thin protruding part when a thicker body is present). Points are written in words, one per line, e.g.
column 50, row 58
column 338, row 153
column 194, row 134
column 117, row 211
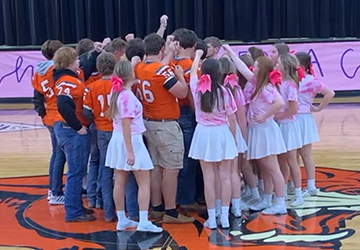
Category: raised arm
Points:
column 240, row 65
column 163, row 25
column 195, row 65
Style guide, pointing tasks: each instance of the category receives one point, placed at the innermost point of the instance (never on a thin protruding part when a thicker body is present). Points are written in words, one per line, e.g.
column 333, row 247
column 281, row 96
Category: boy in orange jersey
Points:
column 45, row 104
column 159, row 90
column 214, row 45
column 96, row 102
column 71, row 131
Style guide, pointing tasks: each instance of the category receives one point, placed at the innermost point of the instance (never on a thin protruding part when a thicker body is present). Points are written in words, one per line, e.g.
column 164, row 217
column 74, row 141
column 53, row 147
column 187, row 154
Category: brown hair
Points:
column 227, row 67
column 123, row 70
column 249, row 62
column 289, row 65
column 49, row 48
column 304, row 61
column 265, row 67
column 84, row 45
column 105, row 63
column 64, row 57
column 116, row 45
column 256, row 52
column 214, row 41
column 282, row 48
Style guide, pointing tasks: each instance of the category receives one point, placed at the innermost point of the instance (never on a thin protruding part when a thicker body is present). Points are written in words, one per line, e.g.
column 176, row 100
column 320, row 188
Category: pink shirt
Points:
column 239, row 97
column 289, row 93
column 261, row 103
column 216, row 117
column 129, row 107
column 248, row 91
column 309, row 88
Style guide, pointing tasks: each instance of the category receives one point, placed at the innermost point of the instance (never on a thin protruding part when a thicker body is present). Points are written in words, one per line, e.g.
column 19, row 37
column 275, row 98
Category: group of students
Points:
column 161, row 109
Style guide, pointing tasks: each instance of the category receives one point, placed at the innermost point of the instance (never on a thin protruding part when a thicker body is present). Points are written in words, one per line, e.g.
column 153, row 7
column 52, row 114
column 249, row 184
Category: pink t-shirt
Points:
column 217, row 117
column 239, row 97
column 261, row 103
column 248, row 91
column 129, row 107
column 289, row 93
column 309, row 88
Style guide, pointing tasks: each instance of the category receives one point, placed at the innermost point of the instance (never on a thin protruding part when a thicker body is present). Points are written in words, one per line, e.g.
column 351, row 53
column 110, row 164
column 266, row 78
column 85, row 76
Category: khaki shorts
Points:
column 165, row 144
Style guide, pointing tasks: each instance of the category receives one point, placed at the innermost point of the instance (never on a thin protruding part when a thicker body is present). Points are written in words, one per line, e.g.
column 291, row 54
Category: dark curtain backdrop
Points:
column 31, row 22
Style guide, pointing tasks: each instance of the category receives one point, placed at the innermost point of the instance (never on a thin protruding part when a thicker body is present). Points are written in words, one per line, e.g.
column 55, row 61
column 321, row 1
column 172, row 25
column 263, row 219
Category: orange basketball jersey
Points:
column 153, row 90
column 186, row 64
column 97, row 99
column 94, row 77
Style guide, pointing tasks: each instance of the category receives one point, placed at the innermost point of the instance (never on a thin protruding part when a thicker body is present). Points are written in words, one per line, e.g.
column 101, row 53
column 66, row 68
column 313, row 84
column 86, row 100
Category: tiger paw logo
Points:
column 320, row 223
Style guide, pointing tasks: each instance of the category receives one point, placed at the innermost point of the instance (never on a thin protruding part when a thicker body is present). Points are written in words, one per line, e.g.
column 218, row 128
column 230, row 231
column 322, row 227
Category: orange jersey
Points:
column 44, row 84
column 94, row 77
column 97, row 99
column 74, row 88
column 153, row 90
column 186, row 64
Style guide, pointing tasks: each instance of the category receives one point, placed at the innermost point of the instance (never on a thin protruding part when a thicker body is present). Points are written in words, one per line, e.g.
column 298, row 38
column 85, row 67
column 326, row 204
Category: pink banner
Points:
column 336, row 63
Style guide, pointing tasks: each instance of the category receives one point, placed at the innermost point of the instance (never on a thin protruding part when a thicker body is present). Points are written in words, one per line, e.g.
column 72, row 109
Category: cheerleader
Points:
column 214, row 141
column 126, row 151
column 289, row 89
column 309, row 88
column 265, row 141
column 277, row 50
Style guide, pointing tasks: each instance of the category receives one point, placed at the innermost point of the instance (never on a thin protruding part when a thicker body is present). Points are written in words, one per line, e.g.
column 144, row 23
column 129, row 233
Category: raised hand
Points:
column 129, row 37
column 163, row 20
column 98, row 46
column 106, row 42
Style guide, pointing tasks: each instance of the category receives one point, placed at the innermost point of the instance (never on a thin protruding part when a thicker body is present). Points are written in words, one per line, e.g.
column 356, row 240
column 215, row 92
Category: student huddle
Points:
column 150, row 113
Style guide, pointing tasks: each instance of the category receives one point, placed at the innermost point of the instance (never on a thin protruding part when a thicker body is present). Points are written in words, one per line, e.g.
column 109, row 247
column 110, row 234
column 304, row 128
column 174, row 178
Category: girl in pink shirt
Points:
column 289, row 90
column 264, row 136
column 126, row 151
column 308, row 89
column 214, row 140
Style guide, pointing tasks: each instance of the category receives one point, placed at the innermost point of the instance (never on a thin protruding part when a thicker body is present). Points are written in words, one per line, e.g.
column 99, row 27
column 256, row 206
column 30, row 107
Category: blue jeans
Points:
column 57, row 162
column 77, row 149
column 131, row 196
column 94, row 177
column 107, row 174
column 186, row 192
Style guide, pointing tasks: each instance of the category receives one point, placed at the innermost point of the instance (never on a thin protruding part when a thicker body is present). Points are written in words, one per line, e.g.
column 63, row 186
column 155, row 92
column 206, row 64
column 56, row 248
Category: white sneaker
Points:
column 275, row 210
column 236, row 212
column 148, row 227
column 49, row 195
column 290, row 188
column 310, row 192
column 245, row 206
column 57, row 200
column 224, row 222
column 210, row 224
column 261, row 205
column 125, row 224
column 297, row 202
column 217, row 213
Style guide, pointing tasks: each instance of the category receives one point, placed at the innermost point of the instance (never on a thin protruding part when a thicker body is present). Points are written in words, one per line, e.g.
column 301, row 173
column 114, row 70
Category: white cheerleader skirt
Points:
column 213, row 144
column 241, row 144
column 291, row 135
column 264, row 139
column 116, row 153
column 308, row 129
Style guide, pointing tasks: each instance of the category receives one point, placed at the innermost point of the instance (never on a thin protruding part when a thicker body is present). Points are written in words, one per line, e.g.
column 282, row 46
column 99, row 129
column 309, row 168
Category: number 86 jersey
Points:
column 155, row 80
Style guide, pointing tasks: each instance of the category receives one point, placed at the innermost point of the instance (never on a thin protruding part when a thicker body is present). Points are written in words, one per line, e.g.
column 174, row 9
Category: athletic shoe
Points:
column 125, row 224
column 156, row 214
column 82, row 218
column 57, row 200
column 310, row 192
column 275, row 210
column 290, row 188
column 210, row 224
column 297, row 202
column 261, row 205
column 49, row 195
column 236, row 212
column 224, row 222
column 217, row 213
column 245, row 206
column 149, row 227
column 87, row 211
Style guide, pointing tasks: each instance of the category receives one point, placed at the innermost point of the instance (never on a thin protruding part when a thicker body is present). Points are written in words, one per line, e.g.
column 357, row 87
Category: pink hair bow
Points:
column 251, row 68
column 204, row 84
column 301, row 73
column 117, row 83
column 275, row 77
column 292, row 52
column 231, row 80
column 311, row 69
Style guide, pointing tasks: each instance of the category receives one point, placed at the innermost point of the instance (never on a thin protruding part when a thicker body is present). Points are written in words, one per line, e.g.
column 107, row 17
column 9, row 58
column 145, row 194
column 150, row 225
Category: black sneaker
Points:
column 83, row 218
column 87, row 211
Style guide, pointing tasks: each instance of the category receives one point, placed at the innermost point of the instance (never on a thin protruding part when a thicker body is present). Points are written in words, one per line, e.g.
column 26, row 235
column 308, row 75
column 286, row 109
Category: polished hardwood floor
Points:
column 329, row 221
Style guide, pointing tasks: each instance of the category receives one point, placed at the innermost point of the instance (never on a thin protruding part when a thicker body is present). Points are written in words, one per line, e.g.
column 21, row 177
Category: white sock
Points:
column 261, row 184
column 211, row 214
column 224, row 211
column 236, row 203
column 311, row 184
column 121, row 215
column 143, row 216
column 298, row 193
column 255, row 193
column 280, row 201
column 218, row 204
column 268, row 198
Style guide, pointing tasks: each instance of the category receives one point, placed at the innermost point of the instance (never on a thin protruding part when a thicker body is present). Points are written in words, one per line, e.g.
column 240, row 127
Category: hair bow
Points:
column 231, row 80
column 251, row 68
column 301, row 73
column 292, row 52
column 275, row 77
column 204, row 84
column 311, row 69
column 117, row 83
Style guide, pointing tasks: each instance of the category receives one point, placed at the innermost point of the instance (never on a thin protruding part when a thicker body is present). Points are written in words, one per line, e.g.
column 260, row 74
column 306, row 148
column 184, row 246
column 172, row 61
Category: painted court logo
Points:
column 319, row 224
column 17, row 127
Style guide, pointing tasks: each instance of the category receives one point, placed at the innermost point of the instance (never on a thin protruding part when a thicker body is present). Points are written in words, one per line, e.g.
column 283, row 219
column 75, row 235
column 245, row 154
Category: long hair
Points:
column 304, row 61
column 265, row 67
column 208, row 99
column 289, row 65
column 249, row 62
column 227, row 67
column 282, row 48
column 256, row 52
column 123, row 70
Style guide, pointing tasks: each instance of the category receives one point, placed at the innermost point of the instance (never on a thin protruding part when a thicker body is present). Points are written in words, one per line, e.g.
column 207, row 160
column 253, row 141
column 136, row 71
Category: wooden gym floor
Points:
column 329, row 221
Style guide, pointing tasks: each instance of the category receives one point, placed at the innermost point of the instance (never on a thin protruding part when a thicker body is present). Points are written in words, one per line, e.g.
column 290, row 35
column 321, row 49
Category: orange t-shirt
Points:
column 94, row 77
column 97, row 99
column 74, row 88
column 153, row 90
column 44, row 84
column 186, row 64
